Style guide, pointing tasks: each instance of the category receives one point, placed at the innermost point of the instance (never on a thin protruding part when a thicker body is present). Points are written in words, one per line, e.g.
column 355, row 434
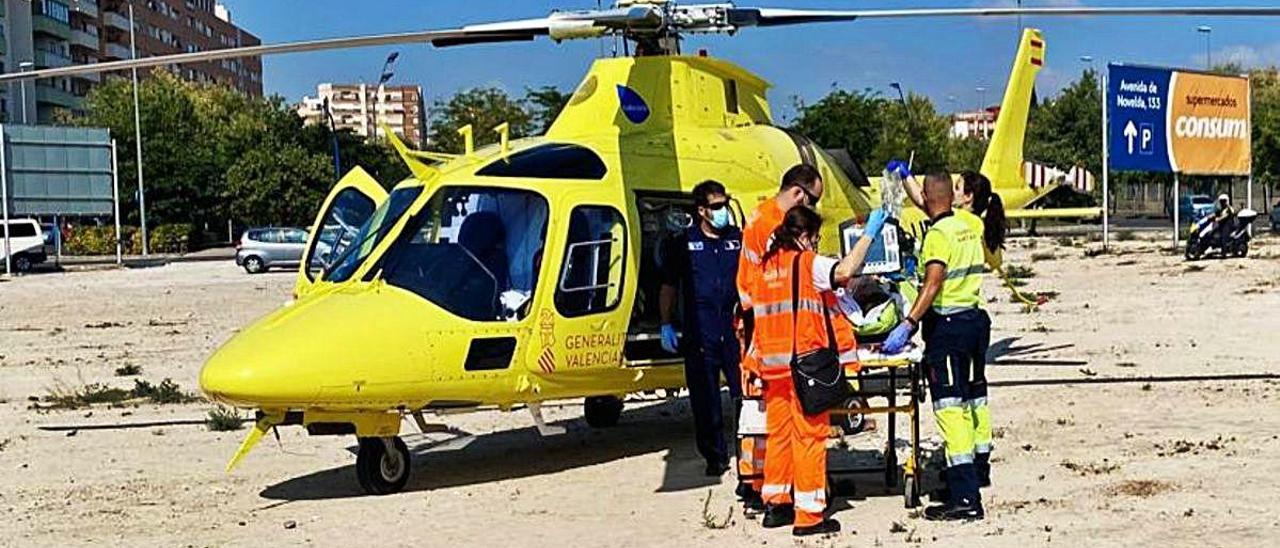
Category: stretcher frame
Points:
column 890, row 370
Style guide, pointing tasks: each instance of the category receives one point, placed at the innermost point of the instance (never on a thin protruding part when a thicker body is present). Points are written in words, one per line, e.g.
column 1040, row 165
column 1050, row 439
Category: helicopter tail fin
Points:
column 1003, row 162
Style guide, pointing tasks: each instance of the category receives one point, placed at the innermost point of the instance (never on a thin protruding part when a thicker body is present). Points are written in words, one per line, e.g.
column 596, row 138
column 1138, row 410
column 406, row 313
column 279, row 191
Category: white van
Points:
column 26, row 243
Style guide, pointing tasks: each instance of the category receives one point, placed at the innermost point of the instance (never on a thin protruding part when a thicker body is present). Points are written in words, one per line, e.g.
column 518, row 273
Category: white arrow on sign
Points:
column 1130, row 131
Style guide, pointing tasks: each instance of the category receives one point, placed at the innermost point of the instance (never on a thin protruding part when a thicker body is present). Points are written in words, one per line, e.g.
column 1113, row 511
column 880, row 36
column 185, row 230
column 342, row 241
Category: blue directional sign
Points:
column 1138, row 118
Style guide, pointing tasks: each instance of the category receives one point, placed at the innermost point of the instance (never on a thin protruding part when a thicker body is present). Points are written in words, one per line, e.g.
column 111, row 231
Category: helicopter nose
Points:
column 252, row 379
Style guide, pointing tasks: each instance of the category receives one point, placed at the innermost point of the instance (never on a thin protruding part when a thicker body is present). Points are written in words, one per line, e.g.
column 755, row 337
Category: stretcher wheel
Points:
column 851, row 423
column 910, row 492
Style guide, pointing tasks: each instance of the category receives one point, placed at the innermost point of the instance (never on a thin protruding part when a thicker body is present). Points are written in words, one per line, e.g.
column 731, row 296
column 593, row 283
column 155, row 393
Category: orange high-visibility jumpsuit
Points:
column 764, row 219
column 796, row 470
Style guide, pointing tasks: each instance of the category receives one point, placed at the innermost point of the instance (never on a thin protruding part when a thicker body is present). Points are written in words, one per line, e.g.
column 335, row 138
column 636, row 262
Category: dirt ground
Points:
column 1167, row 436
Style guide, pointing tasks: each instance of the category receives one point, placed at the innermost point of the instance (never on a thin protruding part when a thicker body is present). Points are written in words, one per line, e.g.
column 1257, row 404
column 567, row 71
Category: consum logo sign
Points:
column 1177, row 121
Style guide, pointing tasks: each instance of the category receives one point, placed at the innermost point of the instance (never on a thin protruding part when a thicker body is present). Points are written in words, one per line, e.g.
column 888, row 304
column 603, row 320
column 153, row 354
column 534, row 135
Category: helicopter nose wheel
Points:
column 382, row 465
column 602, row 411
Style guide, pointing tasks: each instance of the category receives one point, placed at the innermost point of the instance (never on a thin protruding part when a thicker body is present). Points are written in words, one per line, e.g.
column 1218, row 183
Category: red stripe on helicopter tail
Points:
column 1037, row 61
column 547, row 361
column 1037, row 44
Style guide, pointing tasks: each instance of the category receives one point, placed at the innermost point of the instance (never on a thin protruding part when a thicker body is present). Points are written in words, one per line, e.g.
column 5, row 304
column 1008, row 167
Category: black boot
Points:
column 827, row 527
column 982, row 465
column 964, row 503
column 778, row 516
column 963, row 511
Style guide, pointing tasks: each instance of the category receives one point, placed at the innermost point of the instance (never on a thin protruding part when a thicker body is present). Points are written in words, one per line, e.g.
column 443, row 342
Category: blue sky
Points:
column 943, row 58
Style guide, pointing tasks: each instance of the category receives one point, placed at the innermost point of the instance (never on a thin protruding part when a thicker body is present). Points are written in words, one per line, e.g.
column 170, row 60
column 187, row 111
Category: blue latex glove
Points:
column 900, row 168
column 670, row 342
column 898, row 338
column 875, row 222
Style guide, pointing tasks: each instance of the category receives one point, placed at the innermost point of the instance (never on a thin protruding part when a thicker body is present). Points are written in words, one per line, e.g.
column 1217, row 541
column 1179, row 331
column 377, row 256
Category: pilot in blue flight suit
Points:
column 704, row 263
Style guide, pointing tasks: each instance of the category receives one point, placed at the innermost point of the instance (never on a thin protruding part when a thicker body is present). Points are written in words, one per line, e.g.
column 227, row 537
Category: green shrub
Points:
column 173, row 238
column 165, row 392
column 101, row 240
column 223, row 419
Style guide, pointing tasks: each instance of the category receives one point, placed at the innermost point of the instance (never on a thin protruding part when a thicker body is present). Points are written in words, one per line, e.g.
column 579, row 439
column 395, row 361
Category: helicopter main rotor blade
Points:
column 771, row 17
column 559, row 25
column 636, row 20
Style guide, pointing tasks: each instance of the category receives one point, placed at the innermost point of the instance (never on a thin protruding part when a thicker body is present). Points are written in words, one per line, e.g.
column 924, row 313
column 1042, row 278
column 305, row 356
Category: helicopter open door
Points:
column 349, row 205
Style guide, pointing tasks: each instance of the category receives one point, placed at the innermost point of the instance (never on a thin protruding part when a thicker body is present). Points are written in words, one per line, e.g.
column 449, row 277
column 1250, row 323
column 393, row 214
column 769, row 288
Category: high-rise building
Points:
column 364, row 108
column 55, row 33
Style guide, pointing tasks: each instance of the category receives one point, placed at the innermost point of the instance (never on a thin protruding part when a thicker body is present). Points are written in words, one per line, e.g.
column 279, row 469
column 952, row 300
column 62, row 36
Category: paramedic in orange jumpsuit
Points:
column 789, row 325
column 801, row 185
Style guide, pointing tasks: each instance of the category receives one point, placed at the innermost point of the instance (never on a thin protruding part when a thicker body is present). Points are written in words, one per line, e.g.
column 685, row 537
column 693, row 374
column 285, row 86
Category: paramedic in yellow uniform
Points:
column 956, row 333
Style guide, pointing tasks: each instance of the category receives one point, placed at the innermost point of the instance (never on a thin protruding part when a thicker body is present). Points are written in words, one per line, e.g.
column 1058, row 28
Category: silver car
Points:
column 262, row 248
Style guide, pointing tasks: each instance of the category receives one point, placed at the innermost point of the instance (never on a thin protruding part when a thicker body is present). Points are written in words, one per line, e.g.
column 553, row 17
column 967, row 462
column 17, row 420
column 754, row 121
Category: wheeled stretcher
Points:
column 896, row 380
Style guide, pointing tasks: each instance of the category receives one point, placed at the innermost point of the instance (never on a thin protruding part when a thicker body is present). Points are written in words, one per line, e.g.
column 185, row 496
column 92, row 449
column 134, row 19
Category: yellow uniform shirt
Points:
column 955, row 240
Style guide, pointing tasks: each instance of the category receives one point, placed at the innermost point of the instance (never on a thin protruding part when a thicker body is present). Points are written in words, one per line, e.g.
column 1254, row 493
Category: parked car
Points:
column 260, row 249
column 1275, row 217
column 26, row 243
column 1193, row 207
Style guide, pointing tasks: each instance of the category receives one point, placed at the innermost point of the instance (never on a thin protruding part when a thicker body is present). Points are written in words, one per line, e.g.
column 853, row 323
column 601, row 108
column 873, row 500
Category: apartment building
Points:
column 364, row 108
column 54, row 33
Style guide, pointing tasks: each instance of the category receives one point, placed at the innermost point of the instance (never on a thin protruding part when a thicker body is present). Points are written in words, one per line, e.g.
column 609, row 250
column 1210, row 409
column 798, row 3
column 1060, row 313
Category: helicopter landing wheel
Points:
column 382, row 465
column 602, row 411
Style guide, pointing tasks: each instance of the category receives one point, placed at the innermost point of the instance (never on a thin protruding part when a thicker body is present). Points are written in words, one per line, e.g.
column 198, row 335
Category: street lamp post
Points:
column 24, row 67
column 137, row 134
column 1207, row 31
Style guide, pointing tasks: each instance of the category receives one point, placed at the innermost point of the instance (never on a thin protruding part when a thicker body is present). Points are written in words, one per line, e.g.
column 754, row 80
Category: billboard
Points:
column 53, row 170
column 1168, row 120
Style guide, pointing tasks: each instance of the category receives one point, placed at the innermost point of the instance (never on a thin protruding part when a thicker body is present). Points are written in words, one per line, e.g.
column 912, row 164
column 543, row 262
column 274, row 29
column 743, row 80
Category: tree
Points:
column 482, row 108
column 545, row 104
column 850, row 120
column 1066, row 130
column 281, row 184
column 912, row 128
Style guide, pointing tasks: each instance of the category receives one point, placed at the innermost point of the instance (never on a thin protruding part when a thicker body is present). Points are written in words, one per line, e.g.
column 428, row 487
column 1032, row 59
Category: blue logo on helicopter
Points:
column 633, row 106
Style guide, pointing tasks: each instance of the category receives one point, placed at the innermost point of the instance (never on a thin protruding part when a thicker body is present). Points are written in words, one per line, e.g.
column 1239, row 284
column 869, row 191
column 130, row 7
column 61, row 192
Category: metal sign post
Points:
column 1176, row 206
column 1106, row 172
column 4, row 204
column 115, row 199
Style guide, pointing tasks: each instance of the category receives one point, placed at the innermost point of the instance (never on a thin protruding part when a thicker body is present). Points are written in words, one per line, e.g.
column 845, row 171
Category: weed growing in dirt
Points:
column 711, row 521
column 1065, row 241
column 1018, row 272
column 1125, row 236
column 1091, row 469
column 223, row 419
column 1043, row 256
column 165, row 392
column 1141, row 488
column 63, row 397
column 129, row 370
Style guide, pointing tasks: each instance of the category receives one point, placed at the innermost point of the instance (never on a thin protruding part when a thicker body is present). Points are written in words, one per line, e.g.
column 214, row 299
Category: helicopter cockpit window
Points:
column 594, row 262
column 349, row 210
column 347, row 258
column 550, row 161
column 473, row 251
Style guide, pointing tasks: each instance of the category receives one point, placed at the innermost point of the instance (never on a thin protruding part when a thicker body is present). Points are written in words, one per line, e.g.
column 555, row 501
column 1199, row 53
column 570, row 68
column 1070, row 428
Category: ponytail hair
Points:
column 987, row 205
column 799, row 221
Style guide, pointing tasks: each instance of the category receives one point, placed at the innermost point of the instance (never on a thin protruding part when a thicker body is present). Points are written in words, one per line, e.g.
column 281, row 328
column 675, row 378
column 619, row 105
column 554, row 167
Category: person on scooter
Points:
column 1223, row 214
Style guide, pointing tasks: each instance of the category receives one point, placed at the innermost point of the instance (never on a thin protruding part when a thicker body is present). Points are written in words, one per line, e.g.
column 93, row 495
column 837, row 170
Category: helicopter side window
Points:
column 594, row 262
column 473, row 251
column 550, row 161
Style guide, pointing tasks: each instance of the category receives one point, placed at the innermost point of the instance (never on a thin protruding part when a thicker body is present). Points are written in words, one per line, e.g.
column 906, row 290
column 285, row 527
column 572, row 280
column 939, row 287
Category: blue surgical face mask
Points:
column 720, row 218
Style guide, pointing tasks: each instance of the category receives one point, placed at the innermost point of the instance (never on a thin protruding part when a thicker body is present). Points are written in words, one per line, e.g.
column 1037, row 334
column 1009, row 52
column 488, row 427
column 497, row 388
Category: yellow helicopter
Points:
column 525, row 271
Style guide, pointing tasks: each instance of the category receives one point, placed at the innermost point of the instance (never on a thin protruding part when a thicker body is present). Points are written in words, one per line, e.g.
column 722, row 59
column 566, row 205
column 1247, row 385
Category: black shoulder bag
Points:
column 818, row 375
